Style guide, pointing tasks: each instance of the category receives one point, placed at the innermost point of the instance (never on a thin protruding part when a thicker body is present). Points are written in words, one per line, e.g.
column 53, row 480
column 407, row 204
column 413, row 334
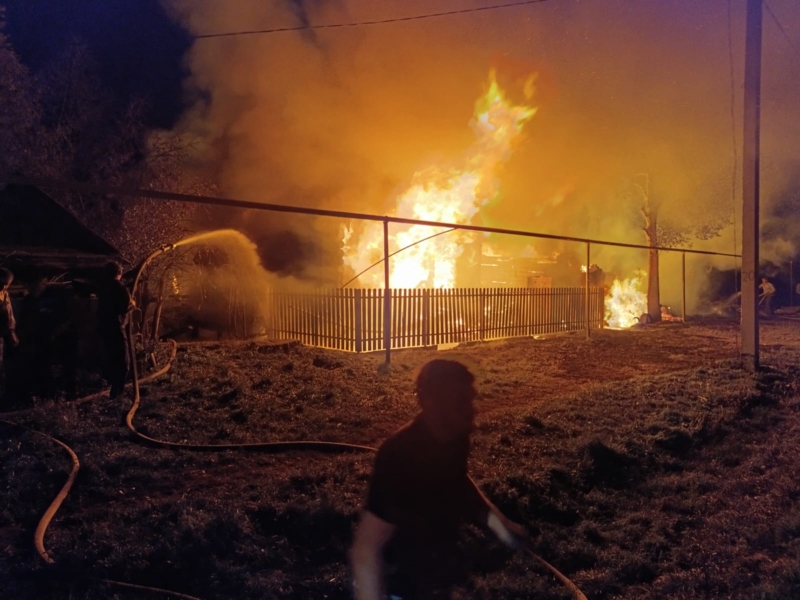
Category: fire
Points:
column 625, row 302
column 437, row 194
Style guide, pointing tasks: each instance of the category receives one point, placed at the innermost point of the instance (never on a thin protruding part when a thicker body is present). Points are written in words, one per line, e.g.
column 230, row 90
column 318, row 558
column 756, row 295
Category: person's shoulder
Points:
column 404, row 440
column 399, row 437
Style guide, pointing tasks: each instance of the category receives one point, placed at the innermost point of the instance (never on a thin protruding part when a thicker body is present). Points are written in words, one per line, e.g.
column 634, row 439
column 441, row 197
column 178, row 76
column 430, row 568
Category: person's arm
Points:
column 510, row 533
column 12, row 324
column 125, row 300
column 366, row 559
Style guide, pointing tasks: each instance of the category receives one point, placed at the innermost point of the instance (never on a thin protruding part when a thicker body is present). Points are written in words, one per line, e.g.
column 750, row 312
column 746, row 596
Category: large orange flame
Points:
column 446, row 195
column 625, row 302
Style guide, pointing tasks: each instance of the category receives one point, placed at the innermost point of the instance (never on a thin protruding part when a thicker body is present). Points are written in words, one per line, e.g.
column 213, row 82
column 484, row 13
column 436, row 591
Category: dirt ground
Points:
column 646, row 463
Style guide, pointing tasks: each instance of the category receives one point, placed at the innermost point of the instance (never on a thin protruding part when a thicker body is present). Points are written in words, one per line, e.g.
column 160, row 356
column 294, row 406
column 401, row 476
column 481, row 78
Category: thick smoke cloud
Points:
column 342, row 118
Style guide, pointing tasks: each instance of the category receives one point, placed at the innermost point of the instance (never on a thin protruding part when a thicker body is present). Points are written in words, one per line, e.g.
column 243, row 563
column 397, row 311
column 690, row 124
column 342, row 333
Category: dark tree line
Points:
column 61, row 123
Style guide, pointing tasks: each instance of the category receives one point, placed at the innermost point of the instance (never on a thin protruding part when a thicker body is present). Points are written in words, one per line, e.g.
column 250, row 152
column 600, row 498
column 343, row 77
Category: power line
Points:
column 783, row 31
column 365, row 23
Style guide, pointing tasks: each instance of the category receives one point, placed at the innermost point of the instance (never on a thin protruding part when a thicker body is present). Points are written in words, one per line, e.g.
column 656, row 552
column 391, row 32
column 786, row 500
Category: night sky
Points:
column 342, row 118
column 138, row 47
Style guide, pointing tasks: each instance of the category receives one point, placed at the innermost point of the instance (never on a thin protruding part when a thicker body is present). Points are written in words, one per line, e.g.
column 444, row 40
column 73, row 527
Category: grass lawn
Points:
column 646, row 464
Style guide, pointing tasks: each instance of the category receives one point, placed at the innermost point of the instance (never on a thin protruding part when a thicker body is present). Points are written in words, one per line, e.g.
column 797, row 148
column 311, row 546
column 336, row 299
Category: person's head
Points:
column 6, row 277
column 764, row 280
column 112, row 270
column 445, row 391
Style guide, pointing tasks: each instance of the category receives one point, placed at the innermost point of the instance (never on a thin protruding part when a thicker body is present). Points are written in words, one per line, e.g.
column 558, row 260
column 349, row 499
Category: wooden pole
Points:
column 387, row 296
column 586, row 291
column 683, row 277
column 750, row 185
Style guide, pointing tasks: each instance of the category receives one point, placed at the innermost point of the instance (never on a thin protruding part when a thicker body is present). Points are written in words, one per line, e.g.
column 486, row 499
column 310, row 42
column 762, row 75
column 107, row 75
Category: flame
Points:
column 446, row 195
column 625, row 302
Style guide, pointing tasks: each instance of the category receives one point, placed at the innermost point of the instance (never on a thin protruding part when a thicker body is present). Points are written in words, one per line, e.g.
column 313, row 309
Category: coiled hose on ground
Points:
column 47, row 517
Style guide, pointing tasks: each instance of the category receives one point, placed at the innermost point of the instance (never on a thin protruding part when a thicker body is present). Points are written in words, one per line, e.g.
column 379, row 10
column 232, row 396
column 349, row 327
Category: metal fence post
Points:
column 387, row 295
column 586, row 290
column 683, row 276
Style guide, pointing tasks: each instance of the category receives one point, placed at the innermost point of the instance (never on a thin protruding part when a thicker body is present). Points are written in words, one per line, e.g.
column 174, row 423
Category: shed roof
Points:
column 34, row 223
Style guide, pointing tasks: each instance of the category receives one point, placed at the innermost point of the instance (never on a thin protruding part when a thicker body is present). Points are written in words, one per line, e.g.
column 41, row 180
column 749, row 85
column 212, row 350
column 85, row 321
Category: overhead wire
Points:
column 783, row 31
column 375, row 264
column 435, row 15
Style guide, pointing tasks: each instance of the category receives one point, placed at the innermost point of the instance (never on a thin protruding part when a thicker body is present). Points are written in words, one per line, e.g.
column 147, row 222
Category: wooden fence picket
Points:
column 352, row 319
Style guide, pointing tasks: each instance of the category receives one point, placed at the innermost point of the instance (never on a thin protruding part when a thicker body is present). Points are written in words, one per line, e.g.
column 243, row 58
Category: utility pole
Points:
column 387, row 296
column 750, row 185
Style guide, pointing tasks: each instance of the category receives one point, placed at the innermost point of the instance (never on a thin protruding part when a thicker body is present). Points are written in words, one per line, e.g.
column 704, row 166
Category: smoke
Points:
column 343, row 118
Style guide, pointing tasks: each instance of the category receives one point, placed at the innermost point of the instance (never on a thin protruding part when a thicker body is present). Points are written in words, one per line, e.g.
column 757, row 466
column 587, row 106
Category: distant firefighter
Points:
column 420, row 493
column 8, row 326
column 113, row 305
column 767, row 293
column 596, row 276
column 34, row 377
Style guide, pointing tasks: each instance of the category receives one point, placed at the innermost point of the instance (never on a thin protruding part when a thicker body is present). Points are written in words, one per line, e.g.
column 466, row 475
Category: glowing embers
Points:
column 626, row 302
column 449, row 195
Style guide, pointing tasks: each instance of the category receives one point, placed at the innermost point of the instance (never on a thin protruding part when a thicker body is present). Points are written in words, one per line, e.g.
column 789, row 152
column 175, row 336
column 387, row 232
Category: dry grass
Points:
column 646, row 463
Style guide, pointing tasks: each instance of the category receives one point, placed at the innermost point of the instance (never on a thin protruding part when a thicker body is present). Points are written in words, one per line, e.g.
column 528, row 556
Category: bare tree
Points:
column 697, row 220
column 20, row 110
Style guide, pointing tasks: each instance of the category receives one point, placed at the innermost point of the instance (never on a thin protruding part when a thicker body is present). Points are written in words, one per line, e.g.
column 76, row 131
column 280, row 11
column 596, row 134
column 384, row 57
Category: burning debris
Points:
column 625, row 302
column 667, row 314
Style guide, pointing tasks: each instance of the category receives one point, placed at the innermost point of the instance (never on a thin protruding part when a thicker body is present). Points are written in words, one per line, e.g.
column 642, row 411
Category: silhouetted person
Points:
column 64, row 332
column 420, row 494
column 767, row 293
column 113, row 304
column 8, row 325
column 34, row 377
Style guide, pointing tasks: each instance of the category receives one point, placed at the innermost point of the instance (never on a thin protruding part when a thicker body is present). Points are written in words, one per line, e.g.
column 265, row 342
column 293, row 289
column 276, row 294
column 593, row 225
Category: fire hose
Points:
column 47, row 517
column 264, row 446
column 44, row 522
column 298, row 445
column 275, row 446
